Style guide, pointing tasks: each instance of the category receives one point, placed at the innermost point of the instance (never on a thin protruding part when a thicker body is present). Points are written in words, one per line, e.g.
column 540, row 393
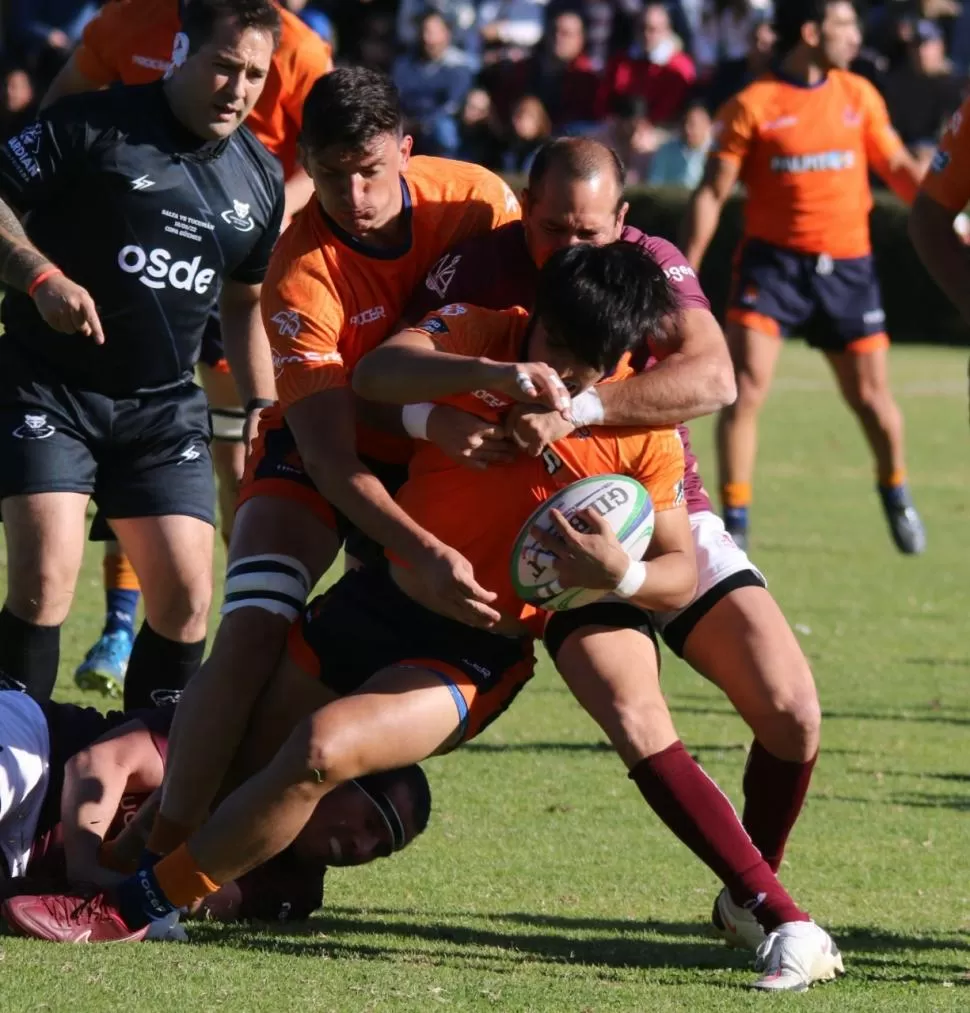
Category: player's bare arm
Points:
column 411, row 367
column 705, row 206
column 343, row 480
column 65, row 306
column 941, row 250
column 901, row 173
column 69, row 81
column 247, row 347
column 95, row 780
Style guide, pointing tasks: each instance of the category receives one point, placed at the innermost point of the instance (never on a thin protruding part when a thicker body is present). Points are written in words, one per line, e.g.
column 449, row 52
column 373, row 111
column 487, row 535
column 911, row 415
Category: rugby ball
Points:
column 628, row 510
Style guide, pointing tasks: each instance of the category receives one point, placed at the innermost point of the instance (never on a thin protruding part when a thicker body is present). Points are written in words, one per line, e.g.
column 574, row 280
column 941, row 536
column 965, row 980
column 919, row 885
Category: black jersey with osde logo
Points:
column 149, row 218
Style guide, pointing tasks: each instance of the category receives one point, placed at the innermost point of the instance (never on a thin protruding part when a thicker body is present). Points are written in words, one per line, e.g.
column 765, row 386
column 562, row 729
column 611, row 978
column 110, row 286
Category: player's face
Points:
column 577, row 376
column 219, row 84
column 566, row 212
column 347, row 827
column 840, row 37
column 360, row 189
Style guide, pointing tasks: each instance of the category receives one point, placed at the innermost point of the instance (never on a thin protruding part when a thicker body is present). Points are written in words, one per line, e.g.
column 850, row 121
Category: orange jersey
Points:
column 805, row 155
column 948, row 179
column 328, row 301
column 480, row 513
column 133, row 40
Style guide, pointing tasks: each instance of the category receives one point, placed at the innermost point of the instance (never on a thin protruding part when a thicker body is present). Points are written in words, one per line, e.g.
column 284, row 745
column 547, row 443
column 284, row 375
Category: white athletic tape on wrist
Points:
column 587, row 409
column 278, row 584
column 227, row 424
column 632, row 580
column 415, row 417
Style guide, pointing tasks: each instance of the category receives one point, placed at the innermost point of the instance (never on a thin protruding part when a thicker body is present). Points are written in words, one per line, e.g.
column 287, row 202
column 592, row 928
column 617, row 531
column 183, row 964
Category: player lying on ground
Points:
column 429, row 663
column 107, row 297
column 136, row 42
column 74, row 784
column 733, row 631
column 416, row 681
column 803, row 140
column 340, row 278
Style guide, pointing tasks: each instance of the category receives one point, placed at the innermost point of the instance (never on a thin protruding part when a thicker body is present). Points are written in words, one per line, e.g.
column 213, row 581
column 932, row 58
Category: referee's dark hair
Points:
column 349, row 107
column 200, row 17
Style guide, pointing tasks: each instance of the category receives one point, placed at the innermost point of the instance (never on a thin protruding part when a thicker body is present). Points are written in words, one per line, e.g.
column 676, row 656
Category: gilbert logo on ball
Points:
column 625, row 505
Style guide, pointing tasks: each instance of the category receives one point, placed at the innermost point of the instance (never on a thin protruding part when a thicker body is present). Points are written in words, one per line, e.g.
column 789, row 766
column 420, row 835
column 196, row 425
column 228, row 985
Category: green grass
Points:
column 543, row 883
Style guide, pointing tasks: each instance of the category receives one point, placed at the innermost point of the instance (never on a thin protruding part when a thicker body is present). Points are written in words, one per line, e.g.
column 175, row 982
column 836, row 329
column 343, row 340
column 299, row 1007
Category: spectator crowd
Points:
column 488, row 80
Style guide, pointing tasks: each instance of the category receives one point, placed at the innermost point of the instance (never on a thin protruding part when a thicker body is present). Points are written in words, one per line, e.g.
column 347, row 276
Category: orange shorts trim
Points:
column 755, row 322
column 868, row 345
column 295, row 492
column 222, row 366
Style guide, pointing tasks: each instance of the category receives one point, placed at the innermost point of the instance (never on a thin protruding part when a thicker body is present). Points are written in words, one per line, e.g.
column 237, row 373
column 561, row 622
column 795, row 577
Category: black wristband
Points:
column 255, row 403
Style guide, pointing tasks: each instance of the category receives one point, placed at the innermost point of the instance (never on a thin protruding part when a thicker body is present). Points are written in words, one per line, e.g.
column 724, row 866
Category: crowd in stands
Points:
column 489, row 80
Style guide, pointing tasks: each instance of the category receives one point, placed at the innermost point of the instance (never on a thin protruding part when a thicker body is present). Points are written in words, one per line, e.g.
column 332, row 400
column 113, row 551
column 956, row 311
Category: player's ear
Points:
column 812, row 34
column 621, row 215
column 407, row 142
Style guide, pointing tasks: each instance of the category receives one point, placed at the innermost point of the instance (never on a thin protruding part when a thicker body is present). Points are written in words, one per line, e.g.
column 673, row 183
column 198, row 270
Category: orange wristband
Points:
column 41, row 278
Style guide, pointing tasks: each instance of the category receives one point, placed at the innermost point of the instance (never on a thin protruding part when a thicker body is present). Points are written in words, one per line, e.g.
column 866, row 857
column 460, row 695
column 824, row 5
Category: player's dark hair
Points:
column 419, row 791
column 200, row 18
column 791, row 16
column 598, row 302
column 350, row 107
column 578, row 159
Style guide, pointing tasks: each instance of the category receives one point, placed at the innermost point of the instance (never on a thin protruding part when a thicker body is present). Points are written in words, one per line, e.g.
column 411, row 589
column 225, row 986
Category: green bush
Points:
column 916, row 310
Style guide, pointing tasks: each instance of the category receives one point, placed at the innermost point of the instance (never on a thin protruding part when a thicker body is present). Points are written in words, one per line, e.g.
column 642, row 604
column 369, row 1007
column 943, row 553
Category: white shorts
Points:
column 24, row 775
column 718, row 559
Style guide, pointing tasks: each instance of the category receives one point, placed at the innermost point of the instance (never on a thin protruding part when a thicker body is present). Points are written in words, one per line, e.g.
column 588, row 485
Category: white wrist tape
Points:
column 632, row 580
column 587, row 409
column 415, row 417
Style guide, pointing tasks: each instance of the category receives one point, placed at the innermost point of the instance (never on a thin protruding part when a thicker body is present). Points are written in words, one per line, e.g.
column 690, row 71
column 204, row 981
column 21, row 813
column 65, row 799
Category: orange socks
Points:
column 118, row 574
column 735, row 495
column 181, row 879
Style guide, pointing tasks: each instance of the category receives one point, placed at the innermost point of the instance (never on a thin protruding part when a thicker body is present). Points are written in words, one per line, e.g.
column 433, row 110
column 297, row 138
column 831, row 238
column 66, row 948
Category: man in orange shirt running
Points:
column 136, row 42
column 803, row 139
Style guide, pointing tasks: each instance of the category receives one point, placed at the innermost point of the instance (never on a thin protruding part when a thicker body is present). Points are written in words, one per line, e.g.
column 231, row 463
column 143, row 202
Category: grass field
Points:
column 544, row 883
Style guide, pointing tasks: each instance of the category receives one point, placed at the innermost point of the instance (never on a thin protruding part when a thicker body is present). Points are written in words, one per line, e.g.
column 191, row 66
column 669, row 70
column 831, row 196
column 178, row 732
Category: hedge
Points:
column 916, row 310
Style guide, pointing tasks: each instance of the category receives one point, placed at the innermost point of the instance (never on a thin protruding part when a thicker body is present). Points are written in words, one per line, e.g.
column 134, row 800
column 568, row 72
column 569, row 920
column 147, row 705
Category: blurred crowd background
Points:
column 489, row 80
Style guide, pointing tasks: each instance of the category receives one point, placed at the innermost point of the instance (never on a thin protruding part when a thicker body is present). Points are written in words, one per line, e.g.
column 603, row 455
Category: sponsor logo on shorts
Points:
column 433, row 325
column 440, row 276
column 485, row 673
column 156, row 270
column 142, row 183
column 287, row 322
column 238, row 217
column 370, row 316
column 25, row 147
column 189, row 454
column 164, row 697
column 35, row 427
column 749, row 297
column 874, row 316
column 940, row 161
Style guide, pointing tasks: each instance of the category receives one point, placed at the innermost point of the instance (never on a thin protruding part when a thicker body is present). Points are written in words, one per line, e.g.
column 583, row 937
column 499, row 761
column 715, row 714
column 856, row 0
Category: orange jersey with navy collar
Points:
column 132, row 41
column 480, row 513
column 805, row 155
column 948, row 179
column 328, row 299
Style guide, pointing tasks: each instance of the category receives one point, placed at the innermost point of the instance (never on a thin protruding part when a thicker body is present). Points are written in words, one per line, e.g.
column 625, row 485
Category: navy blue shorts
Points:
column 835, row 305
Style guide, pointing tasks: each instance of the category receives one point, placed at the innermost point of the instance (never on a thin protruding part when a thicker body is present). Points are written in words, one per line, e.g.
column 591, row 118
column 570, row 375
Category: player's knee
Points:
column 332, row 754
column 751, row 393
column 42, row 594
column 794, row 719
column 182, row 612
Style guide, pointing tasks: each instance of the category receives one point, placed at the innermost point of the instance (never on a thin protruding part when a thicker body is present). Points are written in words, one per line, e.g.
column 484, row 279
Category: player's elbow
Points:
column 718, row 383
column 373, row 375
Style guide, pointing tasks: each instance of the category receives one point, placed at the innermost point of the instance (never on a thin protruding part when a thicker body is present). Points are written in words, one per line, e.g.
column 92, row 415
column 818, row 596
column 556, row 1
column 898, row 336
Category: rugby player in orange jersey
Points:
column 420, row 683
column 944, row 194
column 803, row 139
column 338, row 280
column 136, row 42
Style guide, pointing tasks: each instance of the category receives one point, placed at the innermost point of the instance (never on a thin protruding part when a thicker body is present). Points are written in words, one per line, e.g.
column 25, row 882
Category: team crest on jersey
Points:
column 35, row 427
column 287, row 323
column 433, row 325
column 180, row 52
column 851, row 117
column 454, row 309
column 511, row 201
column 238, row 217
column 440, row 276
column 940, row 161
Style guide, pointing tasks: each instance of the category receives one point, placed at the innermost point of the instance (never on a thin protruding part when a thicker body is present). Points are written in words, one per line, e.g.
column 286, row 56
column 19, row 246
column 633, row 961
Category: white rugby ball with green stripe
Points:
column 628, row 510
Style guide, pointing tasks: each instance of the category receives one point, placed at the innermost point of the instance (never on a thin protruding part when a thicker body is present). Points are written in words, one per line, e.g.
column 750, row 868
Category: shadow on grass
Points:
column 504, row 942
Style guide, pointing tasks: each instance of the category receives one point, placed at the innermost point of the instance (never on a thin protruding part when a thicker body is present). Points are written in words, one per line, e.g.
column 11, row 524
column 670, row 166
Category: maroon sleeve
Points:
column 446, row 282
column 683, row 279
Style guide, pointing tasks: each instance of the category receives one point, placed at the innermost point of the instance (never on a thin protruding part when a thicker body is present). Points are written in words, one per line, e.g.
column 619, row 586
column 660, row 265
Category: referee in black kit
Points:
column 145, row 206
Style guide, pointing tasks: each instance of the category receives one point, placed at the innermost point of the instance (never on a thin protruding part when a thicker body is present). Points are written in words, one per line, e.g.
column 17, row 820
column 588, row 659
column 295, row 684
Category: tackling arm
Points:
column 939, row 247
